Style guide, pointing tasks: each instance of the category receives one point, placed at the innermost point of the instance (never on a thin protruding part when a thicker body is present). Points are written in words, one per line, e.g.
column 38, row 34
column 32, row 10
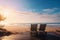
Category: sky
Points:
column 30, row 11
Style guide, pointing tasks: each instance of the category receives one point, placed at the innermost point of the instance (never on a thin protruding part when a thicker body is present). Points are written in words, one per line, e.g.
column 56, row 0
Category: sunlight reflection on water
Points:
column 16, row 37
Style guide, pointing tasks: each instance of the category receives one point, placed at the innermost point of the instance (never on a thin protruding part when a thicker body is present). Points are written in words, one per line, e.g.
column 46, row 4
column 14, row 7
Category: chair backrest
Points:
column 42, row 27
column 33, row 27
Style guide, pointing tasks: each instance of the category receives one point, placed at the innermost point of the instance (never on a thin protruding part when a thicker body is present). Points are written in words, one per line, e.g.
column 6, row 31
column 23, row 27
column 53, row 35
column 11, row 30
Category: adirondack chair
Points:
column 42, row 27
column 34, row 30
column 42, row 34
column 33, row 27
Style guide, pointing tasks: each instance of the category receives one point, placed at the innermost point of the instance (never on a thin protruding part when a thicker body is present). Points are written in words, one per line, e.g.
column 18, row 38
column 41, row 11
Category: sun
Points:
column 6, row 12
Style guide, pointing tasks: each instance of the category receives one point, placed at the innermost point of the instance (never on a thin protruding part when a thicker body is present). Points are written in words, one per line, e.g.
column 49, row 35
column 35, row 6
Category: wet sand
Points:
column 28, row 36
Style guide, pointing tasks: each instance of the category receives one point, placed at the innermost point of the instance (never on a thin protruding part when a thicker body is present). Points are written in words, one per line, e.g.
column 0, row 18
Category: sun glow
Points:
column 6, row 12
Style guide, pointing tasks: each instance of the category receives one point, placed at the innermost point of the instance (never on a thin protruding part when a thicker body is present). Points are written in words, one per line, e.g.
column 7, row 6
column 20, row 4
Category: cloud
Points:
column 49, row 10
column 34, row 17
column 30, row 17
column 52, row 9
